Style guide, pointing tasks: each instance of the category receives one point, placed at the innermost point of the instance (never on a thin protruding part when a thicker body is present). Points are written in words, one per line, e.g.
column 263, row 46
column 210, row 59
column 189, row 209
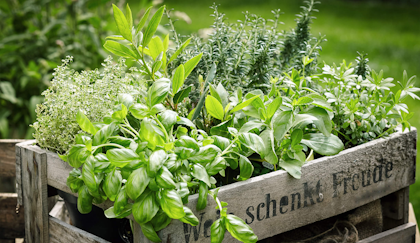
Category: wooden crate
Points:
column 271, row 204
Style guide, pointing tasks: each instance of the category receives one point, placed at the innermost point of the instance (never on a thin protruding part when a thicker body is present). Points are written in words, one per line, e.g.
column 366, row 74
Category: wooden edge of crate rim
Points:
column 275, row 202
column 401, row 234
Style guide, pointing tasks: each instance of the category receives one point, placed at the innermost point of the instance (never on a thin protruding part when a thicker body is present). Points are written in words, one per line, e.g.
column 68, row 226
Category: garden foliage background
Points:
column 36, row 34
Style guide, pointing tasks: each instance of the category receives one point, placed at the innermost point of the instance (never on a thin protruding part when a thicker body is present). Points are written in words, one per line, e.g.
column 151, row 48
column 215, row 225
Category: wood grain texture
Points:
column 35, row 199
column 401, row 234
column 412, row 219
column 274, row 203
column 7, row 157
column 62, row 232
column 12, row 225
column 20, row 153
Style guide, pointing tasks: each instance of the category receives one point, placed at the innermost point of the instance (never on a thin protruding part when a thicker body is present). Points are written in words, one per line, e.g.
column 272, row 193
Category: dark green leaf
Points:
column 200, row 173
column 187, row 142
column 103, row 134
column 73, row 181
column 168, row 118
column 253, row 142
column 121, row 201
column 112, row 184
column 270, row 149
column 206, row 154
column 156, row 160
column 158, row 92
column 189, row 217
column 165, row 179
column 89, row 177
column 217, row 165
column 251, row 125
column 111, row 214
column 84, row 200
column 78, row 155
column 161, row 220
column 202, row 196
column 323, row 145
column 221, row 142
column 137, row 183
column 182, row 94
column 323, row 123
column 152, row 26
column 292, row 166
column 121, row 157
column 218, row 230
column 239, row 229
column 200, row 104
column 246, row 168
column 296, row 137
column 145, row 207
column 149, row 232
column 171, row 204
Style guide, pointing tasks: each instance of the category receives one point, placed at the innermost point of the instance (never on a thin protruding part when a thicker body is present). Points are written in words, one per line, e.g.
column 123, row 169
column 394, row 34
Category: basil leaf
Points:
column 89, row 178
column 123, row 141
column 165, row 179
column 200, row 173
column 292, row 166
column 73, row 181
column 218, row 230
column 85, row 123
column 156, row 160
column 187, row 142
column 103, row 134
column 121, row 201
column 161, row 220
column 82, row 139
column 137, row 183
column 149, row 232
column 122, row 24
column 220, row 142
column 171, row 204
column 182, row 94
column 145, row 207
column 84, row 200
column 246, row 168
column 239, row 229
column 77, row 155
column 158, row 108
column 323, row 145
column 139, row 111
column 152, row 26
column 206, row 154
column 251, row 125
column 216, row 165
column 253, row 142
column 184, row 192
column 112, row 184
column 168, row 119
column 203, row 190
column 120, row 113
column 151, row 133
column 323, row 123
column 189, row 217
column 158, row 91
column 214, row 108
column 121, row 157
column 110, row 212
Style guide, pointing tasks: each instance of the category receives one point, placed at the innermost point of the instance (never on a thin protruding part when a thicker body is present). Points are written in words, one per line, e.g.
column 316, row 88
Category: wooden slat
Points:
column 20, row 155
column 12, row 225
column 275, row 203
column 412, row 219
column 35, row 196
column 7, row 157
column 401, row 234
column 62, row 232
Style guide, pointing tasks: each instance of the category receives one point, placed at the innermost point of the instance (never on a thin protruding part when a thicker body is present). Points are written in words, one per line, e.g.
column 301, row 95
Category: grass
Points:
column 388, row 32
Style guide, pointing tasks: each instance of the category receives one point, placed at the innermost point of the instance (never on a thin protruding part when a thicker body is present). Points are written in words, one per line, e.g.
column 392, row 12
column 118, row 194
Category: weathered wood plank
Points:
column 20, row 155
column 402, row 234
column 62, row 232
column 7, row 157
column 34, row 188
column 12, row 225
column 412, row 219
column 276, row 203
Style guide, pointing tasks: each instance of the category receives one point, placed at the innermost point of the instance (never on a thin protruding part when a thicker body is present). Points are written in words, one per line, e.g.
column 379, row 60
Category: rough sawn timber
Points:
column 7, row 157
column 275, row 203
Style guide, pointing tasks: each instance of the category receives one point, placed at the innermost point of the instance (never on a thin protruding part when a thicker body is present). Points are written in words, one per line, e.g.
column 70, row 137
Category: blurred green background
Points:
column 36, row 34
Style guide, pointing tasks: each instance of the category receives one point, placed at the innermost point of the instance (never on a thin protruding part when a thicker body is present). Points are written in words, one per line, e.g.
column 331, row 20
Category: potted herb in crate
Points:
column 159, row 158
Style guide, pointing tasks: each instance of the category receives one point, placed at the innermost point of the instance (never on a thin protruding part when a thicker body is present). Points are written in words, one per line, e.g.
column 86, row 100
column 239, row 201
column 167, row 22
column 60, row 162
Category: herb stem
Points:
column 127, row 125
column 163, row 128
column 128, row 131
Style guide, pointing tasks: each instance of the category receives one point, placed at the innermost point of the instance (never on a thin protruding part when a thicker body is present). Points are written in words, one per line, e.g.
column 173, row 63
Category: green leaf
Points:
column 322, row 144
column 149, row 232
column 292, row 166
column 182, row 94
column 270, row 150
column 187, row 142
column 168, row 119
column 165, row 179
column 111, row 214
column 129, row 16
column 84, row 200
column 239, row 229
column 189, row 217
column 112, row 184
column 156, row 160
column 216, row 165
column 161, row 220
column 120, row 50
column 115, row 37
column 152, row 26
column 143, row 20
column 89, row 177
column 251, row 125
column 304, row 100
column 200, row 173
column 243, row 104
column 77, row 155
column 323, row 122
column 73, row 181
column 273, row 107
column 218, row 230
column 121, row 157
column 206, row 154
column 139, row 111
column 121, row 201
column 122, row 24
column 203, row 190
column 296, row 137
column 151, row 134
column 171, row 204
column 178, row 79
column 158, row 92
column 179, row 50
column 120, row 113
column 155, row 47
column 246, row 168
column 190, row 65
column 221, row 142
column 214, row 108
column 200, row 103
column 320, row 101
column 145, row 207
column 282, row 122
column 85, row 123
column 253, row 142
column 103, row 134
column 137, row 183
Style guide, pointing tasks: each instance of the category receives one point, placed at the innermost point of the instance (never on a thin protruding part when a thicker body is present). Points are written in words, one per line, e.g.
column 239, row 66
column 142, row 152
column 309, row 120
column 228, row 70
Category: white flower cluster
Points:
column 94, row 92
